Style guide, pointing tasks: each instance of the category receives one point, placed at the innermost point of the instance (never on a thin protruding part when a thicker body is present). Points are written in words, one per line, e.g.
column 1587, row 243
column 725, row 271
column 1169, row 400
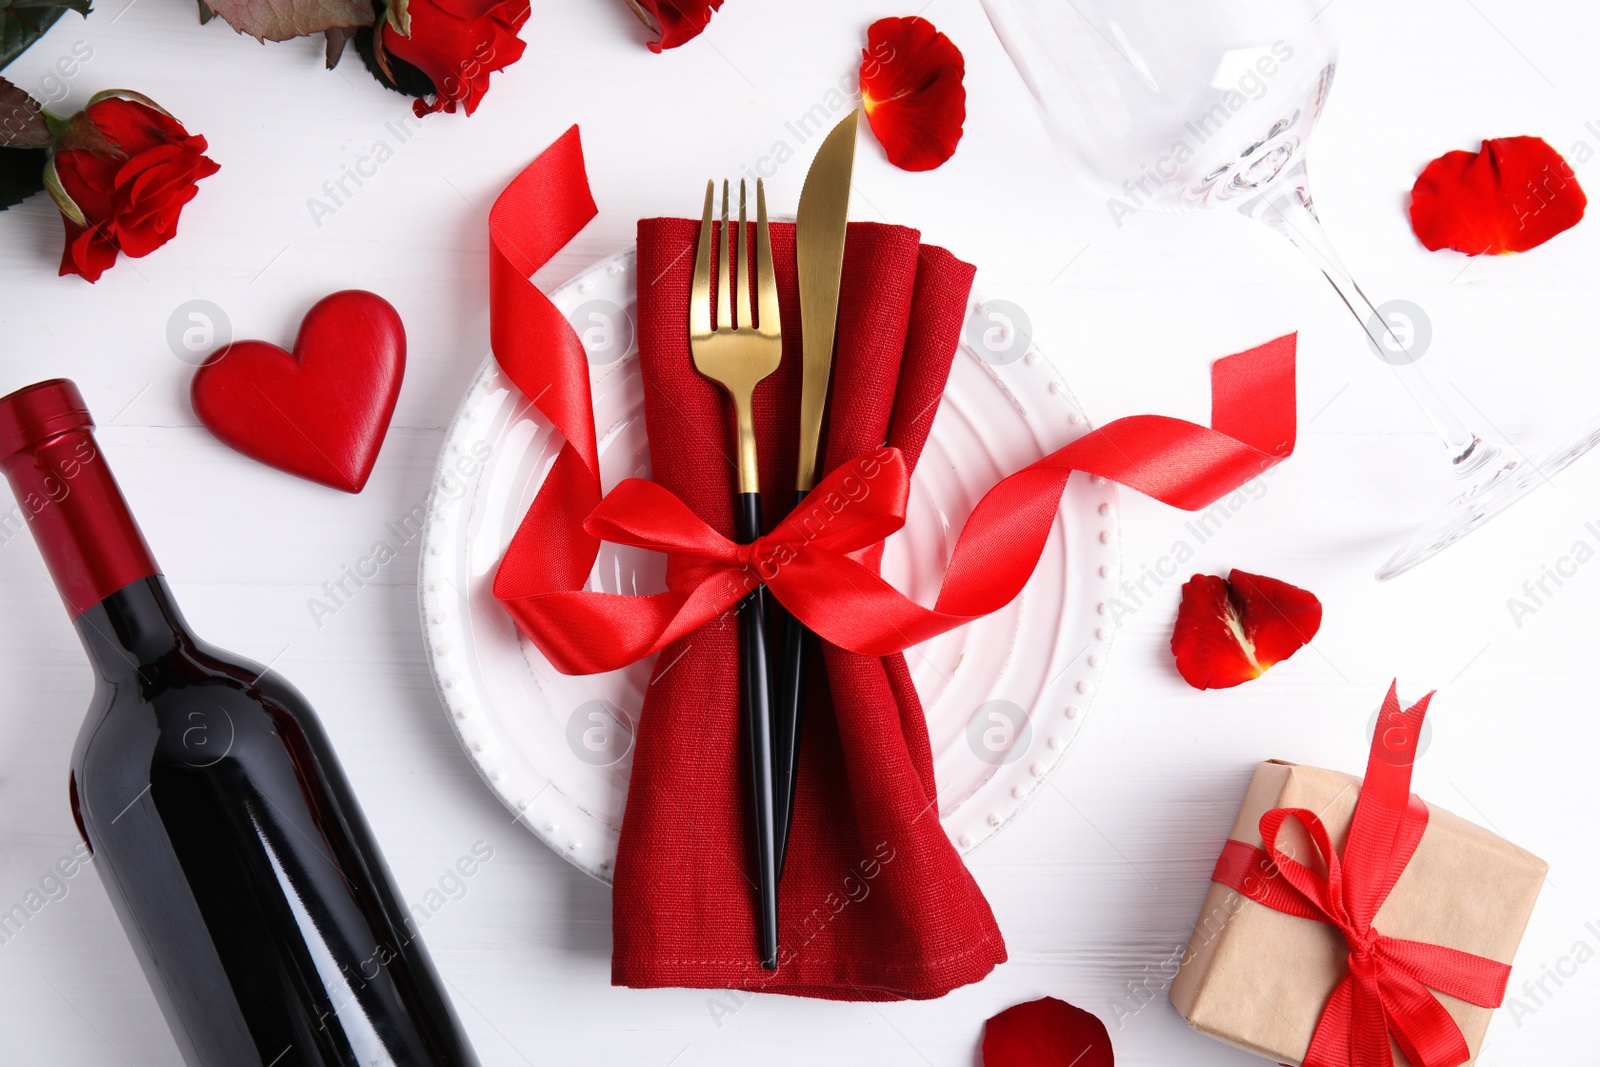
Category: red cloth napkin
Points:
column 875, row 904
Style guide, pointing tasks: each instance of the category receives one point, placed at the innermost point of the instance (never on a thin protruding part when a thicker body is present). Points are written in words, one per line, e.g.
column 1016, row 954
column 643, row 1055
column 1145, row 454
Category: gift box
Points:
column 1348, row 922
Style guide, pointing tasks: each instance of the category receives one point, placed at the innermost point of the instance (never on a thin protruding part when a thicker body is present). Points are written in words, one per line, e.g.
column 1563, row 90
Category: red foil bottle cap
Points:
column 38, row 412
column 66, row 493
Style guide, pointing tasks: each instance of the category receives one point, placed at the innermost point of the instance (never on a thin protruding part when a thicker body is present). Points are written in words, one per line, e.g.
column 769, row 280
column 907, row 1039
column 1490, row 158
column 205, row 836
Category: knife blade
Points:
column 819, row 258
column 819, row 230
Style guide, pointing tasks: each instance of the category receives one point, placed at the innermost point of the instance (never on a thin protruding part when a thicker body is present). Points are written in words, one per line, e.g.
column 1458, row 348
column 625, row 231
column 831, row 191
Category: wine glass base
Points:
column 1500, row 484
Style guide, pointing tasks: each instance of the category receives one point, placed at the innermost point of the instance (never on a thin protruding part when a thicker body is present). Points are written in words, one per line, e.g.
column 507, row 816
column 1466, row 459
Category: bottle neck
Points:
column 80, row 521
column 132, row 629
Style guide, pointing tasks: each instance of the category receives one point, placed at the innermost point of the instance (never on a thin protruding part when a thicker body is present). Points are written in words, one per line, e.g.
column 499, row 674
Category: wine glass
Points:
column 1179, row 104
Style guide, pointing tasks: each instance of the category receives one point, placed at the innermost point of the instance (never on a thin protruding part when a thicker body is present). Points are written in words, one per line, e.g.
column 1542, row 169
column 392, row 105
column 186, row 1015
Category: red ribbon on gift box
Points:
column 1385, row 992
column 811, row 562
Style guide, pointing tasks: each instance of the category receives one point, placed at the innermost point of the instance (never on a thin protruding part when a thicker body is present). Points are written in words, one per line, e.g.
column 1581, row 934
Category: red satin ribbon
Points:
column 1385, row 992
column 814, row 574
column 542, row 209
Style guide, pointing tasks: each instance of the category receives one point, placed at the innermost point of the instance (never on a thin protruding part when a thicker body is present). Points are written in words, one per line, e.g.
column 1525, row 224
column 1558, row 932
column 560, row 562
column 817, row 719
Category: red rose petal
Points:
column 911, row 84
column 1046, row 1033
column 676, row 20
column 1512, row 195
column 458, row 44
column 1231, row 631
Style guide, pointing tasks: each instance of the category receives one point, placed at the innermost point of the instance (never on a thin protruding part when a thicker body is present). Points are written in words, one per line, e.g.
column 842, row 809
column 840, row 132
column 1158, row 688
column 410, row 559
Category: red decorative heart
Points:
column 320, row 412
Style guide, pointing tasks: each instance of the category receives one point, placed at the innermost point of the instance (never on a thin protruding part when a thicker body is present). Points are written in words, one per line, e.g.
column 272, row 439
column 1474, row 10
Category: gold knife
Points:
column 819, row 233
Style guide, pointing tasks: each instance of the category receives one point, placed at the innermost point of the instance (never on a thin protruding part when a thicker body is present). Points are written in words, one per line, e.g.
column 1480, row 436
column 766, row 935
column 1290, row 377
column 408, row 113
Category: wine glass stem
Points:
column 1286, row 206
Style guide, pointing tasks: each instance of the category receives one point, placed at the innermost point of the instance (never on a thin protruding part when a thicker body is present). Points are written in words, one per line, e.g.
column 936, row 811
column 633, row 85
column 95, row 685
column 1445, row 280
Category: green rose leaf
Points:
column 279, row 20
column 22, row 123
column 23, row 22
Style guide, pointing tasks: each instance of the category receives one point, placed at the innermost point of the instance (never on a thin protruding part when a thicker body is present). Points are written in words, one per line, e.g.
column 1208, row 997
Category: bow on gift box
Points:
column 814, row 574
column 1385, row 991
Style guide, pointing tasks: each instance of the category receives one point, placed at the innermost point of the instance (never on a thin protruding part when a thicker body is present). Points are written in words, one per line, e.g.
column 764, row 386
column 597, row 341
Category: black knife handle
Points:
column 758, row 716
column 791, row 671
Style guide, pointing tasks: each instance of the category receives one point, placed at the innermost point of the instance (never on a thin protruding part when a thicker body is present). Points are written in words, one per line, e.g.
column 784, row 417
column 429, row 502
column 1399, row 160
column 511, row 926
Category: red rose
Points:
column 120, row 171
column 456, row 44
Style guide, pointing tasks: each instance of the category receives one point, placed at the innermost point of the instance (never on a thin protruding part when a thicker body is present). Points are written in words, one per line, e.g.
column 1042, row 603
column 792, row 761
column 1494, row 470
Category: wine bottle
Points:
column 221, row 823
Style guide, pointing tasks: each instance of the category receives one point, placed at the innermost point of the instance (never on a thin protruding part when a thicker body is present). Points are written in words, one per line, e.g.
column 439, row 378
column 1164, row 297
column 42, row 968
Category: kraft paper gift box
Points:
column 1259, row 979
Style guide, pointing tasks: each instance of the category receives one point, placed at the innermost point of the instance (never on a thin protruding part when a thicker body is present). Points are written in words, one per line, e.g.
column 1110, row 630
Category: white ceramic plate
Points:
column 1004, row 695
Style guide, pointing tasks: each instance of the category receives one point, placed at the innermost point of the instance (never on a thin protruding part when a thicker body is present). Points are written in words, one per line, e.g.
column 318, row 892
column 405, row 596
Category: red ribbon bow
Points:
column 1385, row 992
column 806, row 561
column 541, row 579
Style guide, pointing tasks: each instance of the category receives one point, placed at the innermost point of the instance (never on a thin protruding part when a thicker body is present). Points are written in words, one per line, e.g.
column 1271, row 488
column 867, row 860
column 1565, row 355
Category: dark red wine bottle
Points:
column 226, row 834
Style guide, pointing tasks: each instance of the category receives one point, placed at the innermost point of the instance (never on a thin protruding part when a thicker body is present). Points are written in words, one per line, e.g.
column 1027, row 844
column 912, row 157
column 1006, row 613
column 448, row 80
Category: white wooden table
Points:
column 1097, row 883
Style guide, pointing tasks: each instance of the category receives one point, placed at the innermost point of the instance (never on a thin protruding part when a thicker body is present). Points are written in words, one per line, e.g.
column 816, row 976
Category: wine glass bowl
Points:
column 1182, row 104
column 1169, row 104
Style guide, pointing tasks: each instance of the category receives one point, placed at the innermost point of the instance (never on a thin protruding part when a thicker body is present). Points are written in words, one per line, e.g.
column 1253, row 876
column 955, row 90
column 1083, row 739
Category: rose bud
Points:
column 444, row 50
column 121, row 170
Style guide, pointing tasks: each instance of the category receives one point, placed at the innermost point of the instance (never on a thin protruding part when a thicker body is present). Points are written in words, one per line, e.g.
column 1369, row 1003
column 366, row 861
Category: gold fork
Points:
column 737, row 356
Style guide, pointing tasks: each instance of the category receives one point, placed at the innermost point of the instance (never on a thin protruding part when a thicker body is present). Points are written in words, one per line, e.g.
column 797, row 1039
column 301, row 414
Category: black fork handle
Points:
column 758, row 716
column 791, row 672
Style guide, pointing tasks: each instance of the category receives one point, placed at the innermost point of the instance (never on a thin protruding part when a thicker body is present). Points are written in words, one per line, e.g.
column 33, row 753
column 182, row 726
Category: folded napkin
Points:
column 875, row 904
